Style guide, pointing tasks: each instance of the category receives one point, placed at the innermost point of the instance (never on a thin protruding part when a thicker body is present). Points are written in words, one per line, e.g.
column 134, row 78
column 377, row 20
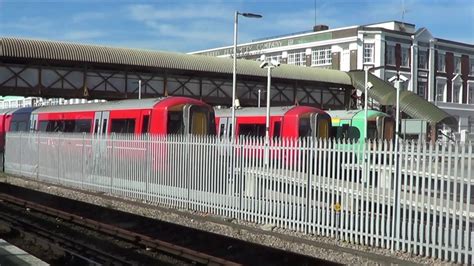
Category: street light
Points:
column 234, row 72
column 269, row 66
column 397, row 80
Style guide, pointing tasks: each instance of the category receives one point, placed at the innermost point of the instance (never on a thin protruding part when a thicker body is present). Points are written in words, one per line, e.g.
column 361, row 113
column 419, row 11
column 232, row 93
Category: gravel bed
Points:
column 321, row 247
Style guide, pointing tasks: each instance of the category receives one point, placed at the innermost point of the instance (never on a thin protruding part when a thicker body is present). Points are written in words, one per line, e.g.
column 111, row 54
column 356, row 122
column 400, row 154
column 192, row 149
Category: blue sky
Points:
column 184, row 26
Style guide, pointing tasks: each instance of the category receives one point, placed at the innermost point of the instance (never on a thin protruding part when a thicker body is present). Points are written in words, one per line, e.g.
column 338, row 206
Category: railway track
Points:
column 85, row 233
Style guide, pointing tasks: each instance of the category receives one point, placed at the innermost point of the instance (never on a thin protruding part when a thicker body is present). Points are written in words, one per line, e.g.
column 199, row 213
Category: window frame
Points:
column 302, row 57
column 368, row 53
column 321, row 56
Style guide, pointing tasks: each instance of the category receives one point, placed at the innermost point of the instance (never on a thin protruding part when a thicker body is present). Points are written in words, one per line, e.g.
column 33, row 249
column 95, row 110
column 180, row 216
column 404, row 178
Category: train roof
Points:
column 7, row 110
column 129, row 104
column 252, row 111
column 351, row 114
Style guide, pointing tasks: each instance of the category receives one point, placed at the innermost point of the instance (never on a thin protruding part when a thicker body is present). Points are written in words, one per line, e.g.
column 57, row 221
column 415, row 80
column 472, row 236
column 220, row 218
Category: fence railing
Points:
column 418, row 199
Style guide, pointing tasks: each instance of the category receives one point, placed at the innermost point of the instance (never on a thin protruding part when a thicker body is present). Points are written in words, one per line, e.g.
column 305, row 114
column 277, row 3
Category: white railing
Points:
column 424, row 206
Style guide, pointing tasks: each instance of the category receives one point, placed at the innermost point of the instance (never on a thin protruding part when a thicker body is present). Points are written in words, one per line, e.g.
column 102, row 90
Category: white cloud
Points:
column 88, row 16
column 83, row 35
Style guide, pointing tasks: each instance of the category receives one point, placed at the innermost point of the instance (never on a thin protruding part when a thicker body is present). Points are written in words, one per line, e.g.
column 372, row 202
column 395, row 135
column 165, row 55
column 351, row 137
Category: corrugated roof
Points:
column 410, row 103
column 64, row 51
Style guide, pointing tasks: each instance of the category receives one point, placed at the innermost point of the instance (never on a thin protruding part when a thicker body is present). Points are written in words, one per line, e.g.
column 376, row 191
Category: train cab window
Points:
column 304, row 128
column 252, row 130
column 277, row 129
column 121, row 126
column 145, row 123
column 175, row 122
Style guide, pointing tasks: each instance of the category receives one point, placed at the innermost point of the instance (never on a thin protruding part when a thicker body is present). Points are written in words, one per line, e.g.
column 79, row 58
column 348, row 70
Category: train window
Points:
column 252, row 130
column 42, row 126
column 304, row 129
column 122, row 125
column 277, row 129
column 69, row 125
column 145, row 123
column 83, row 126
column 175, row 122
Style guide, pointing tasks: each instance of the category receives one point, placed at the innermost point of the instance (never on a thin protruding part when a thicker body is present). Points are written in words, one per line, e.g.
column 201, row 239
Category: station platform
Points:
column 14, row 256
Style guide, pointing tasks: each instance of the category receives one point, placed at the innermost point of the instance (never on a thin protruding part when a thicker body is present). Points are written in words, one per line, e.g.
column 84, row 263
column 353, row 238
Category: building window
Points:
column 405, row 57
column 369, row 53
column 471, row 63
column 322, row 56
column 441, row 63
column 390, row 55
column 423, row 59
column 276, row 58
column 422, row 88
column 470, row 92
column 298, row 59
column 457, row 64
column 456, row 92
column 440, row 88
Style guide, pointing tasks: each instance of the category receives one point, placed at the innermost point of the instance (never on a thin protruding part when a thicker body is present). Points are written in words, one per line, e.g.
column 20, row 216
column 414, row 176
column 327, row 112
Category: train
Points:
column 167, row 115
column 183, row 115
column 285, row 122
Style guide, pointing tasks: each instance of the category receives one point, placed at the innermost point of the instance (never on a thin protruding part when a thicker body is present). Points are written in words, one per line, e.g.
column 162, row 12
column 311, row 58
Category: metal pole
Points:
column 234, row 75
column 259, row 91
column 397, row 107
column 139, row 89
column 267, row 116
column 366, row 70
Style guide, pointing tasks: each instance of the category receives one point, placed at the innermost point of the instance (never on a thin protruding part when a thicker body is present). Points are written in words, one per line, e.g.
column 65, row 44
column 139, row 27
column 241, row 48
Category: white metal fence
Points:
column 424, row 206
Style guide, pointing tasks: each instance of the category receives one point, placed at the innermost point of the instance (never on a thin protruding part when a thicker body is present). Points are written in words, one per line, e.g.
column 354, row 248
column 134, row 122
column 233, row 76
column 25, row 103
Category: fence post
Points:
column 186, row 171
column 82, row 159
column 309, row 148
column 241, row 177
column 38, row 166
column 59, row 162
column 21, row 172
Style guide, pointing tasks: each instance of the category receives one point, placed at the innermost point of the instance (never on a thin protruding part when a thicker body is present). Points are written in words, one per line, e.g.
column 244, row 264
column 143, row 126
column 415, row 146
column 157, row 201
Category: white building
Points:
column 441, row 71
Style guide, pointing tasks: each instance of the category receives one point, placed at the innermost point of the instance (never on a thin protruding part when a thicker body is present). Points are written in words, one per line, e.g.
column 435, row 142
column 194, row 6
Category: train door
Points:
column 34, row 122
column 101, row 122
column 385, row 128
column 196, row 120
column 320, row 125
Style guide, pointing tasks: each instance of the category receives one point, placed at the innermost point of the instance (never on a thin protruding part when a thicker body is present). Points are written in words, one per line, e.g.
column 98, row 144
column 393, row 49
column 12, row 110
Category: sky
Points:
column 185, row 26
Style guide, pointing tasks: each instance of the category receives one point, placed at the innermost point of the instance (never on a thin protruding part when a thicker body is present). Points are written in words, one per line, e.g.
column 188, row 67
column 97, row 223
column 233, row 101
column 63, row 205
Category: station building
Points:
column 439, row 70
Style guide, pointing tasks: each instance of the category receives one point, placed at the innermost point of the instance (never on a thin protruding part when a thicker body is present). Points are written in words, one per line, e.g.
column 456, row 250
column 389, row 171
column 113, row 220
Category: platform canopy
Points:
column 410, row 103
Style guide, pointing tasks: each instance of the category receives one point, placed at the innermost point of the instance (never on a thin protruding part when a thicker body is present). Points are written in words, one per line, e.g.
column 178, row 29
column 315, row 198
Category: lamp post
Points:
column 139, row 89
column 234, row 72
column 269, row 66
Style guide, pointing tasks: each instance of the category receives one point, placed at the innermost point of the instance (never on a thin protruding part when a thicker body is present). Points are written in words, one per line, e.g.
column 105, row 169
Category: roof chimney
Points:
column 320, row 27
